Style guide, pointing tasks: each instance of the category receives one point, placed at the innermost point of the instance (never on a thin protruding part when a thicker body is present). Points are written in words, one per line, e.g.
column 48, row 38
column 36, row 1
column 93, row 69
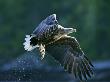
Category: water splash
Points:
column 29, row 67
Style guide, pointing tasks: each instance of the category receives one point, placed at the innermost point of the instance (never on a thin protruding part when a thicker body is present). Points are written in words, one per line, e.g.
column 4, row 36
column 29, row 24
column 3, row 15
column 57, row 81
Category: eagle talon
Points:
column 42, row 50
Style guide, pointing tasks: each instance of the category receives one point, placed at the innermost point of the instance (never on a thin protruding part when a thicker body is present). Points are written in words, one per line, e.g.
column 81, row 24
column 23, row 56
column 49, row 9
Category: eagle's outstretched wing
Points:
column 73, row 59
column 46, row 27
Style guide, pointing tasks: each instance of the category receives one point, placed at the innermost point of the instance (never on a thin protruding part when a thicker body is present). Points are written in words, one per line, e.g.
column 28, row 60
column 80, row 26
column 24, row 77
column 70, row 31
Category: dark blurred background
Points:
column 91, row 18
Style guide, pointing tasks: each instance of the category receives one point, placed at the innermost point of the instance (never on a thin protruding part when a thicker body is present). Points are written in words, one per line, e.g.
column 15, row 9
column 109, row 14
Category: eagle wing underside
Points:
column 74, row 60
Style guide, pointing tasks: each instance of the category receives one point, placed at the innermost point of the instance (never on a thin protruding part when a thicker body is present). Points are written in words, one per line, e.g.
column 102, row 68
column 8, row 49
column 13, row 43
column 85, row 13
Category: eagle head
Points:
column 61, row 31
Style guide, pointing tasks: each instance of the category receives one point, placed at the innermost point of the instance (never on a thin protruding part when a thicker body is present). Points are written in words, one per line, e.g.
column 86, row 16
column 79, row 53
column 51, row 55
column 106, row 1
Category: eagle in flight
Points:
column 50, row 33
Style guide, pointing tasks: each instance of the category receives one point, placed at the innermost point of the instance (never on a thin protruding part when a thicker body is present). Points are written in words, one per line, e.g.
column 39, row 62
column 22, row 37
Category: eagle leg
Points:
column 42, row 50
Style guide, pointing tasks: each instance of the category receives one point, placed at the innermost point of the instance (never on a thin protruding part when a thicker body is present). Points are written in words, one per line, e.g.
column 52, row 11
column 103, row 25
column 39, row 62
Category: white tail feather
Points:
column 27, row 45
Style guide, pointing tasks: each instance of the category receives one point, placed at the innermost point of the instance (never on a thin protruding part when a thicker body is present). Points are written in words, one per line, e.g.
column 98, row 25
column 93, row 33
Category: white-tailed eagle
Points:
column 49, row 33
